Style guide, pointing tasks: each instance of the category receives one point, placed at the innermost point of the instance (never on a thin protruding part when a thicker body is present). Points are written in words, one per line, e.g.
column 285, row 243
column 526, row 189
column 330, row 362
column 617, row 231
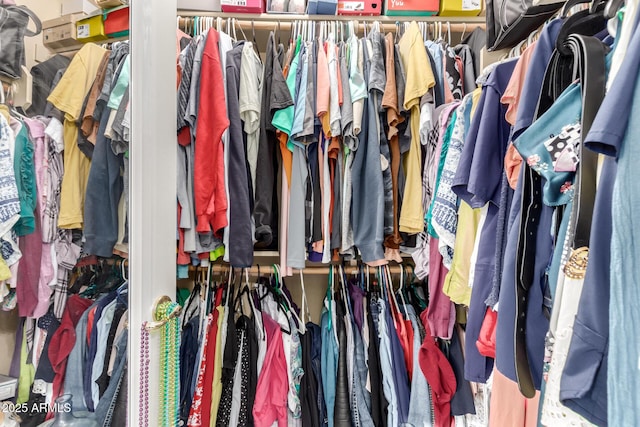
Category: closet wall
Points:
column 35, row 52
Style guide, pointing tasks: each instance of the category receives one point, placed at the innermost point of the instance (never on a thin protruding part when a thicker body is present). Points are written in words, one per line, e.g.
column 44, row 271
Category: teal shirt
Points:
column 25, row 172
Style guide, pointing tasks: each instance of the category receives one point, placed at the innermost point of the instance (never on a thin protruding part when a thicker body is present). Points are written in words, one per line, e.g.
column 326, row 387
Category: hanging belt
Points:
column 588, row 65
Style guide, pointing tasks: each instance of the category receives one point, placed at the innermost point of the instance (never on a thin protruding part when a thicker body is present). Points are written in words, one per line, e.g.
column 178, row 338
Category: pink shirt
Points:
column 511, row 96
column 273, row 384
column 47, row 271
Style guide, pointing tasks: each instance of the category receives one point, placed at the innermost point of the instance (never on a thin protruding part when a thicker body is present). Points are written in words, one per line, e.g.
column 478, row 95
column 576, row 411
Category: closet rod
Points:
column 320, row 270
column 262, row 25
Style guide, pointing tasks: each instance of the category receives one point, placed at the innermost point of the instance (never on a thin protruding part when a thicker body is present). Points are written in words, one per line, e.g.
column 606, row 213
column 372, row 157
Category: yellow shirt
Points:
column 68, row 96
column 456, row 283
column 216, row 390
column 420, row 79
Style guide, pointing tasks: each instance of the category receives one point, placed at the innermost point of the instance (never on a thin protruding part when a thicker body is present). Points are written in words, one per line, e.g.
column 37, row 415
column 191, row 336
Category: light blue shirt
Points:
column 624, row 306
column 386, row 366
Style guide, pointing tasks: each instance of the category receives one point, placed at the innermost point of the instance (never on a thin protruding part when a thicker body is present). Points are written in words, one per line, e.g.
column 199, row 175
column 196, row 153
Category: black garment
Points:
column 229, row 359
column 468, row 69
column 342, row 411
column 49, row 109
column 44, row 75
column 247, row 324
column 188, row 353
column 241, row 251
column 44, row 374
column 275, row 96
column 308, row 383
column 462, row 401
column 316, row 226
column 379, row 404
column 476, row 41
column 316, row 351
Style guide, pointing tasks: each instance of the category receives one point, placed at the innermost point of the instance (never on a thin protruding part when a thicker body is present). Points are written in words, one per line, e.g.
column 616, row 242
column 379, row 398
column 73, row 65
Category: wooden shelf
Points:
column 289, row 17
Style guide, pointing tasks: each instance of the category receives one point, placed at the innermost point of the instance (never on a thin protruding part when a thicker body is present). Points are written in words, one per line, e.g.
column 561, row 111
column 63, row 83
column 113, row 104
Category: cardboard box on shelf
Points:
column 59, row 34
column 77, row 6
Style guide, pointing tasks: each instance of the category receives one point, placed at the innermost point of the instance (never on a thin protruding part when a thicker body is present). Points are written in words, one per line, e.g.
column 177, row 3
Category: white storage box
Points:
column 77, row 6
column 204, row 5
column 8, row 386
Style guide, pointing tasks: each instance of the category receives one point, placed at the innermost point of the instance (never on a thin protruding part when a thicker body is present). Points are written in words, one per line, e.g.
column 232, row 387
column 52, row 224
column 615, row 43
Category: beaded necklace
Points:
column 169, row 365
column 143, row 415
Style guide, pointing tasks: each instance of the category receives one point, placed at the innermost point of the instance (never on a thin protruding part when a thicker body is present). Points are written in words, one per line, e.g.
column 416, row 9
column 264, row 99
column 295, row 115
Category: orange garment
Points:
column 323, row 91
column 511, row 96
column 390, row 103
column 508, row 407
column 209, row 184
column 90, row 317
column 512, row 164
column 486, row 342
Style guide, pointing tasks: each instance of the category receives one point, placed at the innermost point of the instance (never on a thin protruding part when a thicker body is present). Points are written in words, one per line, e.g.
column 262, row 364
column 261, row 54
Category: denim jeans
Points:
column 107, row 403
column 420, row 403
column 73, row 381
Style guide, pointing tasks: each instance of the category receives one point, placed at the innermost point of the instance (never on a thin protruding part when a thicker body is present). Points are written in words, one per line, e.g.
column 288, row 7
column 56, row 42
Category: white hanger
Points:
column 304, row 311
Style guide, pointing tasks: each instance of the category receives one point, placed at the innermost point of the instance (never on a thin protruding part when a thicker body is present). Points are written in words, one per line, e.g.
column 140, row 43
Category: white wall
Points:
column 45, row 9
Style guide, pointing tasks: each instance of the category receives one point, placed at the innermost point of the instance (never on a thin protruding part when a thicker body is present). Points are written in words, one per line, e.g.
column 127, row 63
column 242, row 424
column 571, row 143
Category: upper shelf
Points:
column 284, row 22
column 289, row 17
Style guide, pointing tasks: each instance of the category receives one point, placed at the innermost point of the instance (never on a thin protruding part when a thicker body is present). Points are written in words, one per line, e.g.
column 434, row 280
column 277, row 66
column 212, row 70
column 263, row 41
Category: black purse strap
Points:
column 589, row 66
column 586, row 63
column 29, row 14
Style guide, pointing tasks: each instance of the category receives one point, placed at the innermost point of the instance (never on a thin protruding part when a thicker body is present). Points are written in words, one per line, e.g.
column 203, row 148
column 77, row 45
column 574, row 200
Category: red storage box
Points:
column 359, row 7
column 243, row 6
column 116, row 22
column 411, row 7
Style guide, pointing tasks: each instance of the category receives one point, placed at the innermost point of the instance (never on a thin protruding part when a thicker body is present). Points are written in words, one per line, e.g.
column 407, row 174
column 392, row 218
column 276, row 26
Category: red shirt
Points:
column 439, row 374
column 209, row 184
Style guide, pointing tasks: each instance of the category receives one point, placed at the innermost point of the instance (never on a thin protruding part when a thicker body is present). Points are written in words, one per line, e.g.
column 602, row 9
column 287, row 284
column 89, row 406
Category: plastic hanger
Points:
column 583, row 22
column 304, row 310
column 612, row 7
column 569, row 5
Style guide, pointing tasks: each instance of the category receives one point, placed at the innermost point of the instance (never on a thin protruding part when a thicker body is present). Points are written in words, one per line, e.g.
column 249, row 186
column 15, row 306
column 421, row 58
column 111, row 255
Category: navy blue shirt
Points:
column 478, row 181
column 535, row 75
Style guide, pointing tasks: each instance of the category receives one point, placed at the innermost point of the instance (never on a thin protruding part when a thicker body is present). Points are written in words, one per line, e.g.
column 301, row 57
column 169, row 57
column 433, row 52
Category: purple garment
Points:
column 28, row 274
column 357, row 296
column 441, row 312
column 36, row 130
column 401, row 379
